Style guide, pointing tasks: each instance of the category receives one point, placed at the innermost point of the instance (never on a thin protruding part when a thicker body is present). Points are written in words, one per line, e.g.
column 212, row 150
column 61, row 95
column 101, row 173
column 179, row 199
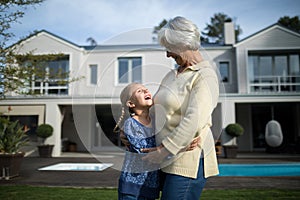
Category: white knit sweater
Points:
column 183, row 106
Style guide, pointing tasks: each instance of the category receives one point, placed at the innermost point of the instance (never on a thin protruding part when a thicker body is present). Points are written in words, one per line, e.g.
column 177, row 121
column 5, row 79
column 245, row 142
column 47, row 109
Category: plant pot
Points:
column 230, row 151
column 10, row 164
column 45, row 151
column 72, row 147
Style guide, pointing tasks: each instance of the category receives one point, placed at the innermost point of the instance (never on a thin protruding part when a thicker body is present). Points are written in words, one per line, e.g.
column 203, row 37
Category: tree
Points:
column 21, row 71
column 11, row 11
column 92, row 41
column 292, row 23
column 157, row 28
column 214, row 30
column 18, row 71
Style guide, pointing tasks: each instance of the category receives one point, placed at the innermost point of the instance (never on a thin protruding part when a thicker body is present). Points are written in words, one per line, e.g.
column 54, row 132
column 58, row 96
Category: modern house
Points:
column 260, row 75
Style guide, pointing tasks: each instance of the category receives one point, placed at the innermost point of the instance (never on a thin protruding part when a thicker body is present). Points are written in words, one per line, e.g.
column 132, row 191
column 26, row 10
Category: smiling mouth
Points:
column 148, row 97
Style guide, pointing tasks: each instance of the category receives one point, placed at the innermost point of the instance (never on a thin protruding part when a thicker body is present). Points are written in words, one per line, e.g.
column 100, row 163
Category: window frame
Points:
column 229, row 71
column 44, row 87
column 117, row 81
column 90, row 74
column 279, row 82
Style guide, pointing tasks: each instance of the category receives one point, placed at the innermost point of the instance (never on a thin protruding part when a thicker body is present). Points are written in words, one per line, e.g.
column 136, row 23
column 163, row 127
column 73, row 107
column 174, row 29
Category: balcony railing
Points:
column 275, row 84
column 50, row 87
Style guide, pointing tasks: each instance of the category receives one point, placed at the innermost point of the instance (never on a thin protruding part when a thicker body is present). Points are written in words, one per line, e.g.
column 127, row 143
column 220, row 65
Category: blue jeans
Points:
column 184, row 188
column 131, row 197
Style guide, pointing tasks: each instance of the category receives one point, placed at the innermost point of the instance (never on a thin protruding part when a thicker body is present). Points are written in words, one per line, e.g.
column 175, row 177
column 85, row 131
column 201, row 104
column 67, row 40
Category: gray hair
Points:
column 179, row 34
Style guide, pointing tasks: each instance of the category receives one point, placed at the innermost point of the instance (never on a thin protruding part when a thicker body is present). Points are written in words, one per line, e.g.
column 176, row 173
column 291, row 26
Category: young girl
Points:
column 134, row 183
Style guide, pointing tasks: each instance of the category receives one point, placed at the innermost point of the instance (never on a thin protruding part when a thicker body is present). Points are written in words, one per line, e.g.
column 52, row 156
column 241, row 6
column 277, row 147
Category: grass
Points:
column 46, row 193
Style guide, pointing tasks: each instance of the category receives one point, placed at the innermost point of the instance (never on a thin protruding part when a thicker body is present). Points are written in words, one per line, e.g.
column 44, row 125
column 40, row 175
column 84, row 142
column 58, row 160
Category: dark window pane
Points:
column 123, row 71
column 93, row 75
column 224, row 71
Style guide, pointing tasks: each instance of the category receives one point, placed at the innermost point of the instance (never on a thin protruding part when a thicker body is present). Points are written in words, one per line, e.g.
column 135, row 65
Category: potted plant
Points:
column 234, row 130
column 44, row 131
column 12, row 138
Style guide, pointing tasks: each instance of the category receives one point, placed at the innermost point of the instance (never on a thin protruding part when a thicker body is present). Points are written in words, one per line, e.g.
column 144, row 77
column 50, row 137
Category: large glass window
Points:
column 57, row 72
column 129, row 70
column 294, row 64
column 265, row 66
column 274, row 72
column 50, row 77
column 280, row 66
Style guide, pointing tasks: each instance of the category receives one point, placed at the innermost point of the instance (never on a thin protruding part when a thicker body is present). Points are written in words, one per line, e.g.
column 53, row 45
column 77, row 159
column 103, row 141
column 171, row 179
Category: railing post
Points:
column 279, row 84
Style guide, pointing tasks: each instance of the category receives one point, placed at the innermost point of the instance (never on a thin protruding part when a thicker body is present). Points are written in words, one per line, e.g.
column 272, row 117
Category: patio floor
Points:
column 30, row 175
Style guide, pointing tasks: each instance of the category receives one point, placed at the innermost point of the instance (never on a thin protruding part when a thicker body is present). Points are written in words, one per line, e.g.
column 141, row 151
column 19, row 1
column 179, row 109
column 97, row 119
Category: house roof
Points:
column 153, row 46
column 271, row 27
column 47, row 32
column 113, row 47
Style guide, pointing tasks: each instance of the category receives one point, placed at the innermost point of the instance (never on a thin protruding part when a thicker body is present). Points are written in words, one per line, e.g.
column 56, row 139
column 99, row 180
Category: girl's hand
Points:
column 124, row 139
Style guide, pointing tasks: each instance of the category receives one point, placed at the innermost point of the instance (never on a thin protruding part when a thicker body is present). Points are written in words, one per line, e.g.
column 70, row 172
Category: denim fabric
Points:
column 131, row 197
column 183, row 188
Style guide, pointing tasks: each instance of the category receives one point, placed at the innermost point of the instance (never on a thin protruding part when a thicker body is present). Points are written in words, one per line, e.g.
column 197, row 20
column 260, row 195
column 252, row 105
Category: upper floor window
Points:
column 275, row 72
column 93, row 74
column 47, row 74
column 56, row 76
column 224, row 71
column 129, row 69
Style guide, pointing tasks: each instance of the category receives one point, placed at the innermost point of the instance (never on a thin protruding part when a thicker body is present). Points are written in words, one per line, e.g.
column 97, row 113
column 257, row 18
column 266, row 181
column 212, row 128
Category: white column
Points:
column 228, row 113
column 54, row 118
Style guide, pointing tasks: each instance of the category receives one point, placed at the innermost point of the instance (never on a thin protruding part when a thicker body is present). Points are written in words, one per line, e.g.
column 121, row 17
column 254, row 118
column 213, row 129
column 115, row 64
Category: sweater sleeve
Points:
column 203, row 99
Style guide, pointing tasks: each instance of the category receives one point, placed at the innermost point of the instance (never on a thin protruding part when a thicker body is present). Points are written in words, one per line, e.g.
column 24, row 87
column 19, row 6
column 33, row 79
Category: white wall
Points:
column 54, row 118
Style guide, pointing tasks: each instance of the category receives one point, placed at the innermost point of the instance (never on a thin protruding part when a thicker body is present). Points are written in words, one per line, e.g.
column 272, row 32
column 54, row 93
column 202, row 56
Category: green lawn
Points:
column 43, row 193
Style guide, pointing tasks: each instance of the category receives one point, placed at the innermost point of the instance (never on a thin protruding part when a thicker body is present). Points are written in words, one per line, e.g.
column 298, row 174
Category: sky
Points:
column 109, row 20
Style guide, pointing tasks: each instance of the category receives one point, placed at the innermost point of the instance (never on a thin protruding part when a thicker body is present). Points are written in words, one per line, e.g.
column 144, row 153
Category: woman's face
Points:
column 178, row 59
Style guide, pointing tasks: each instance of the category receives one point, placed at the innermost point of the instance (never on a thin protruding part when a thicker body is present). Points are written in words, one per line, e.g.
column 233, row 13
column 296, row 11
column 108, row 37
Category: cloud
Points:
column 76, row 20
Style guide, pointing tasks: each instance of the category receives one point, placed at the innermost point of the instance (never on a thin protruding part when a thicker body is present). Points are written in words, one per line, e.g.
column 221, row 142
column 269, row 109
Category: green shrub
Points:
column 44, row 131
column 12, row 136
column 234, row 130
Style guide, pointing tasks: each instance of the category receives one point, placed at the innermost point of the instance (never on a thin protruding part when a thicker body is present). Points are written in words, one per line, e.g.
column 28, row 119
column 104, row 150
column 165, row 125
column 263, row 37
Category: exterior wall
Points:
column 54, row 118
column 38, row 110
column 154, row 66
column 274, row 39
column 228, row 117
column 226, row 54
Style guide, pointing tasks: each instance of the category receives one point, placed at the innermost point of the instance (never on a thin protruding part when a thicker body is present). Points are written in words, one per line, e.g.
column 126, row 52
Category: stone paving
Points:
column 30, row 175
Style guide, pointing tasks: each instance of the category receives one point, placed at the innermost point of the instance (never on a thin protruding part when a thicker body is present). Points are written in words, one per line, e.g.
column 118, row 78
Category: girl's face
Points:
column 141, row 97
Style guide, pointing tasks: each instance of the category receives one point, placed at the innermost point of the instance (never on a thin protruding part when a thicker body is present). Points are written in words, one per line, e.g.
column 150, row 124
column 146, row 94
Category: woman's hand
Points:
column 194, row 144
column 159, row 154
column 156, row 155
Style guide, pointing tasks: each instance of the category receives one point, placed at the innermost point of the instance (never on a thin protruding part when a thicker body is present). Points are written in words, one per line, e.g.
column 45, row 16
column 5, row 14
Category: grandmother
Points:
column 183, row 107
